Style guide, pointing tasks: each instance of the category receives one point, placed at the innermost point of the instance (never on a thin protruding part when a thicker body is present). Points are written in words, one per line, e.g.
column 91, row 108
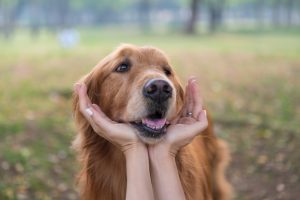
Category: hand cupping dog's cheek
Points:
column 119, row 134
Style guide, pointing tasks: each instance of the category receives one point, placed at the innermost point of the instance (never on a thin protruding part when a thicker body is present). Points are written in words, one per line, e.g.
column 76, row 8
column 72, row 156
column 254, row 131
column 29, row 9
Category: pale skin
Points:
column 158, row 158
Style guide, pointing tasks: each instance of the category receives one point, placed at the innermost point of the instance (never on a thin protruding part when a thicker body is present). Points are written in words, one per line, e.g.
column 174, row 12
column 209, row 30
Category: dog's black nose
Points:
column 157, row 90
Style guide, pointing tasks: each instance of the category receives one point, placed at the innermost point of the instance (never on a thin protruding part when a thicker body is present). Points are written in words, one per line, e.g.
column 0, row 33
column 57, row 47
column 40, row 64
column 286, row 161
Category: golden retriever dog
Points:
column 122, row 84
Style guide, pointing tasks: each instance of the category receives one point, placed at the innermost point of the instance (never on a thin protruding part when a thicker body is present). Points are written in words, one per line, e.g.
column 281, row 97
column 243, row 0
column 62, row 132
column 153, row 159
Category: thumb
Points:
column 101, row 113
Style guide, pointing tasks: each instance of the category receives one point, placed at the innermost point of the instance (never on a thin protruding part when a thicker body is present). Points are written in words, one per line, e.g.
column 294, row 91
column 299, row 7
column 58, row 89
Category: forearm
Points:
column 138, row 175
column 165, row 177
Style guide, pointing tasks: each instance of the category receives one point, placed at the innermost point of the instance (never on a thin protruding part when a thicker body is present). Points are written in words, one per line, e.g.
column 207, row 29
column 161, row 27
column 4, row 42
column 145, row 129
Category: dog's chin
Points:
column 151, row 131
column 148, row 134
column 149, row 140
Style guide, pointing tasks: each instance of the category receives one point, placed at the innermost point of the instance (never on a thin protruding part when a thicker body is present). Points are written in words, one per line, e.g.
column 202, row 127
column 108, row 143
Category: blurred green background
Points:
column 246, row 55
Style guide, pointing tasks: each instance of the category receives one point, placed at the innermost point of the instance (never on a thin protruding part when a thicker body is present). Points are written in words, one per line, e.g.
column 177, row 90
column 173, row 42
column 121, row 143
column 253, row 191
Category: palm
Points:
column 120, row 134
column 177, row 130
column 124, row 132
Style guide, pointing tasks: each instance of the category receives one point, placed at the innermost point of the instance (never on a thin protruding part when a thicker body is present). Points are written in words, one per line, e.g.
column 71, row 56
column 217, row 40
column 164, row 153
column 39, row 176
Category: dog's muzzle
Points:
column 157, row 92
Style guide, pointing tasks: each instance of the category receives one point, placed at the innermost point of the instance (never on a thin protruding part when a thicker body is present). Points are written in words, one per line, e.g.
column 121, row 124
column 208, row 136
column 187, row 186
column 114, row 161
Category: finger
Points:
column 85, row 105
column 196, row 98
column 101, row 124
column 202, row 121
column 96, row 107
column 84, row 101
column 88, row 114
column 92, row 115
column 202, row 116
column 184, row 108
column 77, row 87
column 103, row 115
column 189, row 98
column 100, row 119
column 85, row 95
column 197, row 127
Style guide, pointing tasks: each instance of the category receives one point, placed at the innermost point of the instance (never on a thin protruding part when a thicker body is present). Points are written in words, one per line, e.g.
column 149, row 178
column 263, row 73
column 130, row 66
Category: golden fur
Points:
column 201, row 164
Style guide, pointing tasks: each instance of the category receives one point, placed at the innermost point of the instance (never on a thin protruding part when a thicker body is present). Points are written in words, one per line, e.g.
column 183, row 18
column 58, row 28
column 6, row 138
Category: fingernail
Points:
column 194, row 81
column 89, row 111
column 192, row 77
column 205, row 112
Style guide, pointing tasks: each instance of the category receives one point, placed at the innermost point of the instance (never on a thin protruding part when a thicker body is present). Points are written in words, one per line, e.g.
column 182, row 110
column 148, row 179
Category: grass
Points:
column 250, row 83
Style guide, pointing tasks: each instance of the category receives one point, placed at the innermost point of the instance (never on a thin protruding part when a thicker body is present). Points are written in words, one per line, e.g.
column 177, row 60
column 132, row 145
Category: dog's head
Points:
column 137, row 85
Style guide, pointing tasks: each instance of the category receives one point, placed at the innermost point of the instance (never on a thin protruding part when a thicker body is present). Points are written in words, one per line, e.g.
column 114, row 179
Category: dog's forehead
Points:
column 145, row 54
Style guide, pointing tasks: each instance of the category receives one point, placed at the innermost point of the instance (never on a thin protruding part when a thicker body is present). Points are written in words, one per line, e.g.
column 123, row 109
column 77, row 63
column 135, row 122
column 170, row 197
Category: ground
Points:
column 250, row 84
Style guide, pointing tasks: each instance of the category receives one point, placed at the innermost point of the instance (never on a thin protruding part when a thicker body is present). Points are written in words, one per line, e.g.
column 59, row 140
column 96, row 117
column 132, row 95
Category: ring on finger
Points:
column 189, row 114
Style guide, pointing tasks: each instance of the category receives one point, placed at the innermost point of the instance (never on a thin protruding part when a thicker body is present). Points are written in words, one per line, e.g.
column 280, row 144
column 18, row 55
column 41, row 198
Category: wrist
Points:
column 135, row 150
column 159, row 154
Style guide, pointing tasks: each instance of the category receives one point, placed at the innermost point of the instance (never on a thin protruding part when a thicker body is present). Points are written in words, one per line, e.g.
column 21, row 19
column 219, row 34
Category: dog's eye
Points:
column 167, row 71
column 123, row 67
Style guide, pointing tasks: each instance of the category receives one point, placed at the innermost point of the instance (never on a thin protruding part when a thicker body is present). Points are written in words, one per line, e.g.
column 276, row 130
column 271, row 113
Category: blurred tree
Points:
column 34, row 17
column 290, row 4
column 194, row 13
column 259, row 10
column 215, row 13
column 11, row 11
column 57, row 14
column 63, row 9
column 144, row 14
column 276, row 13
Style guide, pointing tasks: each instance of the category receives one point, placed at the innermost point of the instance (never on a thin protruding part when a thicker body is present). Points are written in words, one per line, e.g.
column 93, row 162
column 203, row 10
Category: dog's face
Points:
column 137, row 85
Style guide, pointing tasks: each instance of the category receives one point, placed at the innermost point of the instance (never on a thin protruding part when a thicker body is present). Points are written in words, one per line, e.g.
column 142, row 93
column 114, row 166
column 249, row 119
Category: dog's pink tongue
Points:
column 159, row 123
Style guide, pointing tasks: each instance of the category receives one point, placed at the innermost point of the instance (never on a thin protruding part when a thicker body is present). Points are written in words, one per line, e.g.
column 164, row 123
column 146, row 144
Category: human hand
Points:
column 120, row 134
column 191, row 121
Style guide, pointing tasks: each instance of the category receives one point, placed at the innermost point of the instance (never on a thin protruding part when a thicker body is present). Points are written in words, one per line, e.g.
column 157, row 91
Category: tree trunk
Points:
column 144, row 15
column 215, row 14
column 289, row 12
column 63, row 8
column 194, row 12
column 276, row 13
column 260, row 11
column 11, row 16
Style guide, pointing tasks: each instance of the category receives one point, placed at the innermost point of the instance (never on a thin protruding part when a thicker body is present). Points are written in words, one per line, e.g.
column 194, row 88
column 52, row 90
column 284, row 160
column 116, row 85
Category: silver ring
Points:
column 189, row 114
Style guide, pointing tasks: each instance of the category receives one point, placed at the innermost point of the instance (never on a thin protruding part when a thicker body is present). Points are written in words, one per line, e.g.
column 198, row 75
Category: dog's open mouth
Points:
column 153, row 126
